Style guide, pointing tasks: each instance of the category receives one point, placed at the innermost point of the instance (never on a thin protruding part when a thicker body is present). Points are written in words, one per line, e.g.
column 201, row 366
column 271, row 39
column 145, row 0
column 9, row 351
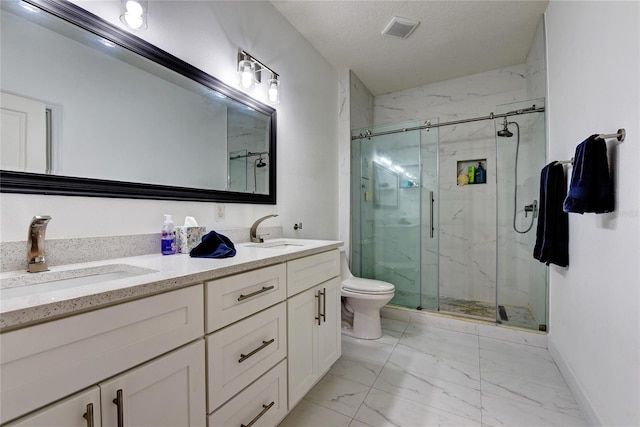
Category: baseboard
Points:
column 569, row 376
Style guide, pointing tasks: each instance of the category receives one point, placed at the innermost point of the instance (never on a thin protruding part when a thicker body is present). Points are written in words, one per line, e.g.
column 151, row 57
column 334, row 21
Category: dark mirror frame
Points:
column 31, row 183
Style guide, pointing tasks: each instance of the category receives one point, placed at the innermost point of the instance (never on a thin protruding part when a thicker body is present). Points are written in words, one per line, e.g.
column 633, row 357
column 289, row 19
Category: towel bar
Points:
column 620, row 135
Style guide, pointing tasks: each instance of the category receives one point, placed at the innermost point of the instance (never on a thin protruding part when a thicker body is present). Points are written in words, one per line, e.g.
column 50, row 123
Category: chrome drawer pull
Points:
column 244, row 357
column 119, row 401
column 89, row 415
column 265, row 409
column 253, row 294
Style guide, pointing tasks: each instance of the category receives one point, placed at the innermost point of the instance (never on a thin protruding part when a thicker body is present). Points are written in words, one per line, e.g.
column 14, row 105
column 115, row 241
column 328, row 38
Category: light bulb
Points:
column 273, row 91
column 134, row 8
column 247, row 79
column 133, row 14
column 133, row 21
column 245, row 68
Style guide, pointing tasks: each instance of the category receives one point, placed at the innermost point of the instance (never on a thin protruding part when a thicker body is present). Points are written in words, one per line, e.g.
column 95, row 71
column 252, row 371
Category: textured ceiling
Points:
column 454, row 38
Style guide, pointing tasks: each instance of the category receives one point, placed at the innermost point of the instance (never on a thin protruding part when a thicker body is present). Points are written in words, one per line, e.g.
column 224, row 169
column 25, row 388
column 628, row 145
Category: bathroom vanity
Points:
column 180, row 341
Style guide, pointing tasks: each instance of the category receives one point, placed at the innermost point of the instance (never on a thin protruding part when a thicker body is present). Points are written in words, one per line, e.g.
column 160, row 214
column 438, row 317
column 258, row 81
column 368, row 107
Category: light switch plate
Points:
column 219, row 212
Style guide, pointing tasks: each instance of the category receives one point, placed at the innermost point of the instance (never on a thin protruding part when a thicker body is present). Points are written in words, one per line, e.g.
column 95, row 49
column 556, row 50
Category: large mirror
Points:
column 91, row 110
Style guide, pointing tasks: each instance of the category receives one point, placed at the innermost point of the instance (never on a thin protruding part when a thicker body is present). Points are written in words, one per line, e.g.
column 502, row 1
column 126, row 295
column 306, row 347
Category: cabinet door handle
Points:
column 324, row 304
column 89, row 415
column 253, row 294
column 244, row 357
column 119, row 401
column 265, row 408
column 319, row 308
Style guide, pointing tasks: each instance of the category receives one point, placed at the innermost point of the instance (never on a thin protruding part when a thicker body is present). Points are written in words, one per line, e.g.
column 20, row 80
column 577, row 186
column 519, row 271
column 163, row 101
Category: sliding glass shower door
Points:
column 393, row 183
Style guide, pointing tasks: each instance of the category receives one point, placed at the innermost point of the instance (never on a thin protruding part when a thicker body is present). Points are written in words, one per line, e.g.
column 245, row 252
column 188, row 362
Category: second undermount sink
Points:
column 35, row 283
column 277, row 244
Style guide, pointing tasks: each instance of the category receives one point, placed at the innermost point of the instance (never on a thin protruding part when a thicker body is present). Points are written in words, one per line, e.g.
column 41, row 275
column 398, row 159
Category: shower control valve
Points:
column 533, row 207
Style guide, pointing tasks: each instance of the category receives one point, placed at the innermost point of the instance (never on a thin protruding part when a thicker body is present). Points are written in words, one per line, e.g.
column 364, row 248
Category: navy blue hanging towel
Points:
column 214, row 245
column 591, row 189
column 552, row 235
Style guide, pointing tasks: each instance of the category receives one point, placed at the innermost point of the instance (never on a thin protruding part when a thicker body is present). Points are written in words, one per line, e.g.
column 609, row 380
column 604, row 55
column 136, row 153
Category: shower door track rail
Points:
column 428, row 125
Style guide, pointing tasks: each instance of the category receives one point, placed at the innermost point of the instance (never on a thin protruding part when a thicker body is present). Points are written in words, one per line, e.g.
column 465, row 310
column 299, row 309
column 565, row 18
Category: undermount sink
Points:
column 275, row 245
column 35, row 283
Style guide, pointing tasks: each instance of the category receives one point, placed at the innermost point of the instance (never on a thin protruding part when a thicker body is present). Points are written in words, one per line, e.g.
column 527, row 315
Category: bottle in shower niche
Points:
column 472, row 174
column 480, row 174
column 168, row 236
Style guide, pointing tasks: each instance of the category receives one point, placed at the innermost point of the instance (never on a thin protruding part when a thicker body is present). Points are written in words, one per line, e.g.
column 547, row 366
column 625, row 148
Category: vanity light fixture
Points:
column 133, row 13
column 250, row 73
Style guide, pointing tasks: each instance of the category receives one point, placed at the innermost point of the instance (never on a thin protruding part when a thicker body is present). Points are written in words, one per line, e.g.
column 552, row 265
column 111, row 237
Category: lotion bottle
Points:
column 168, row 236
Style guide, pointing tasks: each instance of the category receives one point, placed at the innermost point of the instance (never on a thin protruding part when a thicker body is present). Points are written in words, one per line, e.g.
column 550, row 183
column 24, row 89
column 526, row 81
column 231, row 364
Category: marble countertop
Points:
column 169, row 273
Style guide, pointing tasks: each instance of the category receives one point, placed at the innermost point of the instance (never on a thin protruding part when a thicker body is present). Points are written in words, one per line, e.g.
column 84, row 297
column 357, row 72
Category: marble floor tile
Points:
column 514, row 335
column 361, row 371
column 381, row 409
column 309, row 414
column 421, row 374
column 434, row 392
column 529, row 391
column 519, row 360
column 338, row 394
column 393, row 324
column 499, row 411
column 374, row 350
column 442, row 343
column 436, row 367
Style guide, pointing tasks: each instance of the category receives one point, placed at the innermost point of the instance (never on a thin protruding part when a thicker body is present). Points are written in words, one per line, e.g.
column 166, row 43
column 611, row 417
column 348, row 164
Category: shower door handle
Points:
column 431, row 229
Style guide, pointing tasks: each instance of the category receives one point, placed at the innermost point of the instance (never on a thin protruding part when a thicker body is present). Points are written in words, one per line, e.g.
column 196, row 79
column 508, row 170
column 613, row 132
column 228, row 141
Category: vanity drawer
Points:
column 41, row 363
column 233, row 298
column 240, row 353
column 306, row 272
column 267, row 396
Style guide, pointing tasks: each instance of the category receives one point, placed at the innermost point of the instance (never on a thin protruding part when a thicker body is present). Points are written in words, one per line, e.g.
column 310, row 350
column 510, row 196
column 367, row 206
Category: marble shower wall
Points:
column 467, row 214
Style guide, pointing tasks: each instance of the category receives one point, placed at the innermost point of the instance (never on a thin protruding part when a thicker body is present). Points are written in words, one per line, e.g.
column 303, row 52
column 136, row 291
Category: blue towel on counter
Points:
column 214, row 245
column 552, row 235
column 591, row 189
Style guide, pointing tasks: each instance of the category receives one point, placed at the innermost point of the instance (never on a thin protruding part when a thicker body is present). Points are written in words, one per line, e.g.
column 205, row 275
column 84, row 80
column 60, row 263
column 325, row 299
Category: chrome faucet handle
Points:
column 35, row 244
column 254, row 229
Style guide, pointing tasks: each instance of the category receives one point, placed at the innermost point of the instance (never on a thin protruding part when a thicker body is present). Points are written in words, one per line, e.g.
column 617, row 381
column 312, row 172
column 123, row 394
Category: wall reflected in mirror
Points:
column 77, row 105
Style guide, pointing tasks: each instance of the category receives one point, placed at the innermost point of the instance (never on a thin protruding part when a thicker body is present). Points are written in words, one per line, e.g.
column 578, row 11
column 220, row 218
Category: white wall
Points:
column 593, row 82
column 208, row 35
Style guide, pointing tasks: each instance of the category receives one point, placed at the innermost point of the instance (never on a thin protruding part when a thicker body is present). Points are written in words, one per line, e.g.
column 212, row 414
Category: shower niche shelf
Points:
column 462, row 169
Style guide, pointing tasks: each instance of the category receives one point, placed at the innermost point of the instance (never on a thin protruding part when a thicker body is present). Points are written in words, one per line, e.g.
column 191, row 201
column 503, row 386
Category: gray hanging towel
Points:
column 552, row 235
column 591, row 189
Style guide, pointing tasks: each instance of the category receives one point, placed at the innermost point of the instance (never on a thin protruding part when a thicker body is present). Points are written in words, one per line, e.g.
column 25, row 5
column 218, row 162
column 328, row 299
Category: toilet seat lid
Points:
column 367, row 286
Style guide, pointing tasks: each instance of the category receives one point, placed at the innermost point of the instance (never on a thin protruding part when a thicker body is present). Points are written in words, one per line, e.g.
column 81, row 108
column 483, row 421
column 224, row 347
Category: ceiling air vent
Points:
column 400, row 27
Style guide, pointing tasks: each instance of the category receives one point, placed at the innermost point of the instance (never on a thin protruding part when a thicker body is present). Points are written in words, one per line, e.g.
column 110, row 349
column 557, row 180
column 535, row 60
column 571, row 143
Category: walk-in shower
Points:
column 446, row 242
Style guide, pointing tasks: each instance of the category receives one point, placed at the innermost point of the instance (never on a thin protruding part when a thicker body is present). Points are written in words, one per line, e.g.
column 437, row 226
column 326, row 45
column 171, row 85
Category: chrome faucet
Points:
column 35, row 244
column 254, row 228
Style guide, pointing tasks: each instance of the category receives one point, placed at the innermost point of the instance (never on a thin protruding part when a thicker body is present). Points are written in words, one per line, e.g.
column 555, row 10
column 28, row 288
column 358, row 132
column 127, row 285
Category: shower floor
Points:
column 518, row 316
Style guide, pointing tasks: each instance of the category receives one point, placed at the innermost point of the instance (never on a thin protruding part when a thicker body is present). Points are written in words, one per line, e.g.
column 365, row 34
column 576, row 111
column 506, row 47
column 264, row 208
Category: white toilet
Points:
column 362, row 300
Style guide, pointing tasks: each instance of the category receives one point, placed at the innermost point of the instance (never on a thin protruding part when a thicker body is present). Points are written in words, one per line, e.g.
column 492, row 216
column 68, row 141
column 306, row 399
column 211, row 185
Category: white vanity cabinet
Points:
column 313, row 321
column 80, row 410
column 43, row 363
column 240, row 349
column 167, row 391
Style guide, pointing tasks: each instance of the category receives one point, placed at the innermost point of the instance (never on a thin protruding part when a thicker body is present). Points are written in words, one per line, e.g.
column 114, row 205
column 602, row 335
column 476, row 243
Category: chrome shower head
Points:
column 505, row 132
